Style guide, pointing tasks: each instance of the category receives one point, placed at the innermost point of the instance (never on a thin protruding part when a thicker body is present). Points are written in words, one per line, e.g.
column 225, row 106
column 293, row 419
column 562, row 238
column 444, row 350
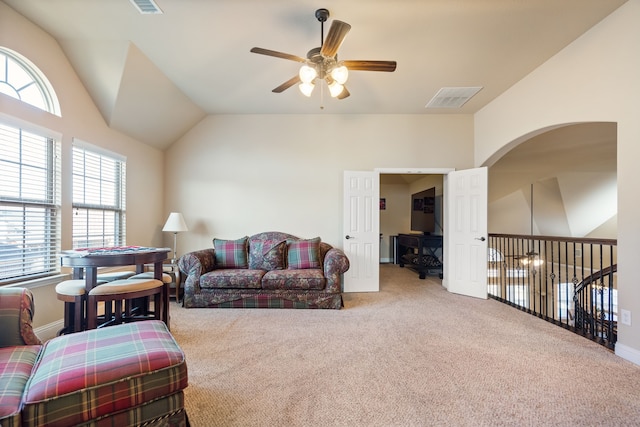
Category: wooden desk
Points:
column 85, row 265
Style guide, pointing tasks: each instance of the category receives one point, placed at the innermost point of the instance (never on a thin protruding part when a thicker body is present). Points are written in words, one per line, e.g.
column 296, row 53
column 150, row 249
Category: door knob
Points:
column 348, row 237
column 482, row 239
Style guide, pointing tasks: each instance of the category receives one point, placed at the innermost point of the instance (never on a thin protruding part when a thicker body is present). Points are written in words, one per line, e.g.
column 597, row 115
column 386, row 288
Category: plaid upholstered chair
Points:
column 16, row 315
column 19, row 348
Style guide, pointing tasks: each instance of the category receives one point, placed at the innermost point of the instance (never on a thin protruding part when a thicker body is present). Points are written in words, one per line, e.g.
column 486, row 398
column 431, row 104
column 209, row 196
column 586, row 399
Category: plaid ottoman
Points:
column 124, row 375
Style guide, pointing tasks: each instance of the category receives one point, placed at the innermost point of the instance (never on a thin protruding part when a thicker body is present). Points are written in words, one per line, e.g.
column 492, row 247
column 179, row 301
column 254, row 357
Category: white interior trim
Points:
column 423, row 171
column 98, row 150
column 628, row 353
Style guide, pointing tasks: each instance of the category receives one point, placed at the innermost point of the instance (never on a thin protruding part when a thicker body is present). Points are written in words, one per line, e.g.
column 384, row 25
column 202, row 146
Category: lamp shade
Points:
column 175, row 223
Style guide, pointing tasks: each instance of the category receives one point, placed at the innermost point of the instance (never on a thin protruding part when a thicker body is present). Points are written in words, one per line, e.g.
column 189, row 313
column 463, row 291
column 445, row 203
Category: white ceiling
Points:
column 155, row 76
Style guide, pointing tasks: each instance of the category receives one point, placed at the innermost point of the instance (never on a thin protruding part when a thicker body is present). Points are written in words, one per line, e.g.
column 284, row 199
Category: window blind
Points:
column 29, row 204
column 99, row 215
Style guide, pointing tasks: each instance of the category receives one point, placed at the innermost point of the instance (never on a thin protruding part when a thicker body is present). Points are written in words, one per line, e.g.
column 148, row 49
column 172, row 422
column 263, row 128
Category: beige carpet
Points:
column 411, row 355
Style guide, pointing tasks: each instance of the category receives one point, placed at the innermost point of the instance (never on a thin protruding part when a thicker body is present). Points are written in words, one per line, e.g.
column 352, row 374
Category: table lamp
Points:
column 175, row 224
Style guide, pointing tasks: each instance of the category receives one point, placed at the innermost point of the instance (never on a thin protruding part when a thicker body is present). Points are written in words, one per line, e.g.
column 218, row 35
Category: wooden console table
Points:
column 420, row 252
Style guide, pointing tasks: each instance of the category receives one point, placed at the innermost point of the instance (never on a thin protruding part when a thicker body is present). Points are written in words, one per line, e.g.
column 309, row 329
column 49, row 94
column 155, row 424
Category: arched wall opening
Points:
column 573, row 170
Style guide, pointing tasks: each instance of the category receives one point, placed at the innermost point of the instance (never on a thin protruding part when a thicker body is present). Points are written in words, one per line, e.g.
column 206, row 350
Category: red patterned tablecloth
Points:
column 112, row 250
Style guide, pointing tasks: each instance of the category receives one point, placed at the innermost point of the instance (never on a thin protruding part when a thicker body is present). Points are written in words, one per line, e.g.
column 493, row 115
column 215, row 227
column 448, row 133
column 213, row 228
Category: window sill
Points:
column 40, row 282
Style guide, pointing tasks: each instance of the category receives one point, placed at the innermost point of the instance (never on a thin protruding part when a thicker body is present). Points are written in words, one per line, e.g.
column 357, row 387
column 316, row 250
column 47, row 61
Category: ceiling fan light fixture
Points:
column 340, row 74
column 532, row 259
column 307, row 74
column 321, row 63
column 306, row 88
column 335, row 88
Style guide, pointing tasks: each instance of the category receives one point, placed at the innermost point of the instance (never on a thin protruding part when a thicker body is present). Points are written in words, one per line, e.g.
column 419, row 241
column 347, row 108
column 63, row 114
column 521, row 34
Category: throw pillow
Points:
column 302, row 254
column 266, row 254
column 231, row 253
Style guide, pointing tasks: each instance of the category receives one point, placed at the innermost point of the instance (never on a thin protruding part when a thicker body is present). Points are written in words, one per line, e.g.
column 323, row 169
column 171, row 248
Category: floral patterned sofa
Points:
column 266, row 270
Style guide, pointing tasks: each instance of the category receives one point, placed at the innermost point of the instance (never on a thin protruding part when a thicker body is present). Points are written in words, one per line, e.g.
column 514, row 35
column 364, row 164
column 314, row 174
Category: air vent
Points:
column 452, row 97
column 147, row 7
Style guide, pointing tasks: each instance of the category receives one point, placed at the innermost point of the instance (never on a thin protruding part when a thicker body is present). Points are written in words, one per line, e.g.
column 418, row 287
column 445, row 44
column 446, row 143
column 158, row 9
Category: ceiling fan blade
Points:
column 344, row 94
column 286, row 85
column 335, row 36
column 277, row 54
column 388, row 66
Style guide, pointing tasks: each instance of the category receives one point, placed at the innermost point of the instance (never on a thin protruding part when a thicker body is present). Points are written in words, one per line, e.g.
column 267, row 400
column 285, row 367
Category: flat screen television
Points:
column 423, row 207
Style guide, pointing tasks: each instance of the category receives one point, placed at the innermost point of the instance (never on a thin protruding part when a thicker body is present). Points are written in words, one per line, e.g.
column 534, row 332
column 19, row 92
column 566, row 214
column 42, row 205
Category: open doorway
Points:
column 463, row 222
column 404, row 212
column 464, row 242
column 400, row 214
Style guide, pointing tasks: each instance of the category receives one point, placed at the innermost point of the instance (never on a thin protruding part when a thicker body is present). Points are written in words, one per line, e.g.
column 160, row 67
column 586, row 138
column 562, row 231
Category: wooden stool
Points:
column 172, row 278
column 125, row 290
column 166, row 278
column 73, row 293
column 115, row 275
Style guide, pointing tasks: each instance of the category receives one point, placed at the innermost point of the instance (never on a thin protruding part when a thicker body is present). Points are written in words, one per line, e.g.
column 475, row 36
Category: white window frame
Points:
column 99, row 197
column 21, row 79
column 29, row 203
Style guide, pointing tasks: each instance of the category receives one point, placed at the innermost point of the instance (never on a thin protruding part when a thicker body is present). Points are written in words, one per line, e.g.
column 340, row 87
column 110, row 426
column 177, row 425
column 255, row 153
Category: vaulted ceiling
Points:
column 155, row 76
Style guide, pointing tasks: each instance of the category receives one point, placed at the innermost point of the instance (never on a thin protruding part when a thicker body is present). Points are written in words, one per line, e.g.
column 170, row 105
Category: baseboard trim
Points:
column 50, row 330
column 628, row 353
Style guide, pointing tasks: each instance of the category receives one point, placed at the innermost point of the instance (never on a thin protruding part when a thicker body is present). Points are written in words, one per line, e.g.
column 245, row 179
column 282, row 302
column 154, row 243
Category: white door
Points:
column 361, row 226
column 465, row 244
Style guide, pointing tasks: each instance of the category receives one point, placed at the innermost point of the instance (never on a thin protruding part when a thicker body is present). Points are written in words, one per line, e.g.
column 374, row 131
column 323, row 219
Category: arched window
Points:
column 21, row 79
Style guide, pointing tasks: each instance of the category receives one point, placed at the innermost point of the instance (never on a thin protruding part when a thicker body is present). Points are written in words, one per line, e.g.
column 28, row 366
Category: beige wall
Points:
column 237, row 175
column 81, row 119
column 594, row 79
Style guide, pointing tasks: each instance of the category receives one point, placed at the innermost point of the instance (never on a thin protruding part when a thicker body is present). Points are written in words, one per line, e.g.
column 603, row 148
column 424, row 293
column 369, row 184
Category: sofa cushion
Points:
column 304, row 279
column 15, row 368
column 231, row 253
column 230, row 278
column 302, row 254
column 86, row 375
column 266, row 254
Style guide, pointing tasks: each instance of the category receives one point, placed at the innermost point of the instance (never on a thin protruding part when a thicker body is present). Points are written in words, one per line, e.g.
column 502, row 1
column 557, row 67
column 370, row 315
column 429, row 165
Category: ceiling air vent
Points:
column 147, row 7
column 452, row 97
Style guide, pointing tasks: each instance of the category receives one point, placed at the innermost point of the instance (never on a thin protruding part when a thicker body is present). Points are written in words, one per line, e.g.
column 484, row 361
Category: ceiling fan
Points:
column 322, row 62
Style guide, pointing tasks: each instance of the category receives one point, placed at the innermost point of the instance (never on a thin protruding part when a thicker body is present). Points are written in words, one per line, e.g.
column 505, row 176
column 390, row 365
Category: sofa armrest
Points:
column 16, row 314
column 195, row 264
column 336, row 263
